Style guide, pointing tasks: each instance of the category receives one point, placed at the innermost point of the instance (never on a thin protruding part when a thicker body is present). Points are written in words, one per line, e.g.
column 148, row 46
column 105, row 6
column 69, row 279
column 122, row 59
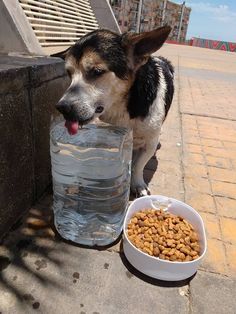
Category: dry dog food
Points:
column 163, row 235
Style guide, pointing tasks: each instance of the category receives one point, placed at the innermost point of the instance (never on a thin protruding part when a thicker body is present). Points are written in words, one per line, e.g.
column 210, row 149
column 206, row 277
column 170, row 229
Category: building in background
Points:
column 144, row 15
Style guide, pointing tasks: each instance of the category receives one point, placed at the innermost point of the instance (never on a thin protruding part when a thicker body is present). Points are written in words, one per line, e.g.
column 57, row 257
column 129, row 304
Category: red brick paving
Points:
column 199, row 142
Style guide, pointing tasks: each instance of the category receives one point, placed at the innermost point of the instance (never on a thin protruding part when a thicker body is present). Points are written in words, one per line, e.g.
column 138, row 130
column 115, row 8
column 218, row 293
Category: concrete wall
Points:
column 29, row 89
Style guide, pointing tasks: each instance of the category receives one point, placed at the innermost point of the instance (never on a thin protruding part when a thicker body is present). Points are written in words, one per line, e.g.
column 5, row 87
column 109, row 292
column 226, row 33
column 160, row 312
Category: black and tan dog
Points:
column 114, row 77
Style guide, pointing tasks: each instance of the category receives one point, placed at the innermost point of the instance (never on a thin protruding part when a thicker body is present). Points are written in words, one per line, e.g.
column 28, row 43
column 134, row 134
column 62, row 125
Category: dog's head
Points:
column 102, row 67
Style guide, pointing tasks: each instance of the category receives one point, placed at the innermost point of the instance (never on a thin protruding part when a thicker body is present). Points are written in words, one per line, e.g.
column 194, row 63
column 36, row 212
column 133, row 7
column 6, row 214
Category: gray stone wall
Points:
column 29, row 90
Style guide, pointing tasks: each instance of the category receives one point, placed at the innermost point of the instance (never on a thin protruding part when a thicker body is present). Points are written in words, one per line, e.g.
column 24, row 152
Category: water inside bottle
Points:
column 91, row 182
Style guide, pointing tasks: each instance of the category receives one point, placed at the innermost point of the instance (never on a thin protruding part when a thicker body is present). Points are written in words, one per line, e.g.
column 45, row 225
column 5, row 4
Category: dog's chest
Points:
column 141, row 129
column 117, row 116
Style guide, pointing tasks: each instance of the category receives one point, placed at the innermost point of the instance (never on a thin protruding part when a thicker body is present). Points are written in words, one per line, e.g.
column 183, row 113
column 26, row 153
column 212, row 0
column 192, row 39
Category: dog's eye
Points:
column 96, row 72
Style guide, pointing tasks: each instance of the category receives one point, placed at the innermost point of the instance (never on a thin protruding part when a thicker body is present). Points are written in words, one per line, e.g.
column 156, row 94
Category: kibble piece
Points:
column 156, row 251
column 184, row 250
column 146, row 244
column 141, row 223
column 193, row 253
column 154, row 231
column 134, row 220
column 150, row 231
column 148, row 239
column 195, row 246
column 187, row 240
column 177, row 236
column 193, row 237
column 171, row 252
column 179, row 246
column 173, row 258
column 143, row 216
column 176, row 227
column 165, row 251
column 130, row 232
column 170, row 243
column 188, row 258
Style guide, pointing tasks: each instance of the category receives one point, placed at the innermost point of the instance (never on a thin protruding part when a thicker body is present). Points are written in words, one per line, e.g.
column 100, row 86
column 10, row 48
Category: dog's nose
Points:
column 64, row 107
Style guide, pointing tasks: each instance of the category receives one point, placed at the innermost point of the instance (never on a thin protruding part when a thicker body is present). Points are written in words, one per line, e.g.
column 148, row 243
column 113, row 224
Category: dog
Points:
column 115, row 78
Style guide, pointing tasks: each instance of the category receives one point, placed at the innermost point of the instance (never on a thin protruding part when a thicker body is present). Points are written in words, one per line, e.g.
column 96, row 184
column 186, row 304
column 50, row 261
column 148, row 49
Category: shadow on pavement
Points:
column 26, row 250
column 156, row 282
column 151, row 167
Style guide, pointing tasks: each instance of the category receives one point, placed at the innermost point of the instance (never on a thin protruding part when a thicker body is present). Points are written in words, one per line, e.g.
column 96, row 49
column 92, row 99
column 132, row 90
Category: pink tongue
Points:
column 72, row 127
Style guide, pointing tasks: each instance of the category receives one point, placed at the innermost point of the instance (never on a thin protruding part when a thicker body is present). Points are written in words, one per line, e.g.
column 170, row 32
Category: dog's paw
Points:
column 140, row 189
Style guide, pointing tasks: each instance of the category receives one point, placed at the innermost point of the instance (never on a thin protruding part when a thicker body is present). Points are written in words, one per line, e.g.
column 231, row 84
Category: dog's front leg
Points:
column 142, row 156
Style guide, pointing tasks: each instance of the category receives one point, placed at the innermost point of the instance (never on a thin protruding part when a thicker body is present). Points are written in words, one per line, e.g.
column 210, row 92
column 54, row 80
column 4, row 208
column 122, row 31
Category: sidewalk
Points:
column 196, row 164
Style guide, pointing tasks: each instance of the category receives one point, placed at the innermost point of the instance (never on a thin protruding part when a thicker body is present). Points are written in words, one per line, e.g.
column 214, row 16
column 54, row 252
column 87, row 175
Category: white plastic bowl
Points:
column 153, row 266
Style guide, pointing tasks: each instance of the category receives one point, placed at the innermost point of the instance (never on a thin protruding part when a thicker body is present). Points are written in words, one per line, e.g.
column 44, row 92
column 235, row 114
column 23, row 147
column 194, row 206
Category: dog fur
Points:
column 114, row 77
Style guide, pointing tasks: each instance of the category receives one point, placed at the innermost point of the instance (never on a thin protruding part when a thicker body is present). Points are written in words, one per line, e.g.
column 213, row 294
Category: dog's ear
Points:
column 61, row 54
column 140, row 46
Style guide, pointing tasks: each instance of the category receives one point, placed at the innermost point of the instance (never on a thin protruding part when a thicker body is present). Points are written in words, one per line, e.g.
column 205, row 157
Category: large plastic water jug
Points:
column 91, row 181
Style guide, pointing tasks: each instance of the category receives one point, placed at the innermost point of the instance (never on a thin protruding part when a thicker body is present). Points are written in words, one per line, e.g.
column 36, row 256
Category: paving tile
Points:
column 226, row 207
column 197, row 171
column 189, row 122
column 218, row 162
column 192, row 139
column 215, row 259
column 230, row 145
column 219, row 152
column 211, row 143
column 212, row 294
column 200, row 185
column 231, row 259
column 228, row 226
column 169, row 167
column 234, row 164
column 220, row 174
column 224, row 189
column 212, row 225
column 164, row 183
column 193, row 158
column 193, row 148
column 227, row 137
column 200, row 201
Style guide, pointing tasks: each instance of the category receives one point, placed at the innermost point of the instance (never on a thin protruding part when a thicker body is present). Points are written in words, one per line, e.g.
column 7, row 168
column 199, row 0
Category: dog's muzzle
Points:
column 75, row 112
